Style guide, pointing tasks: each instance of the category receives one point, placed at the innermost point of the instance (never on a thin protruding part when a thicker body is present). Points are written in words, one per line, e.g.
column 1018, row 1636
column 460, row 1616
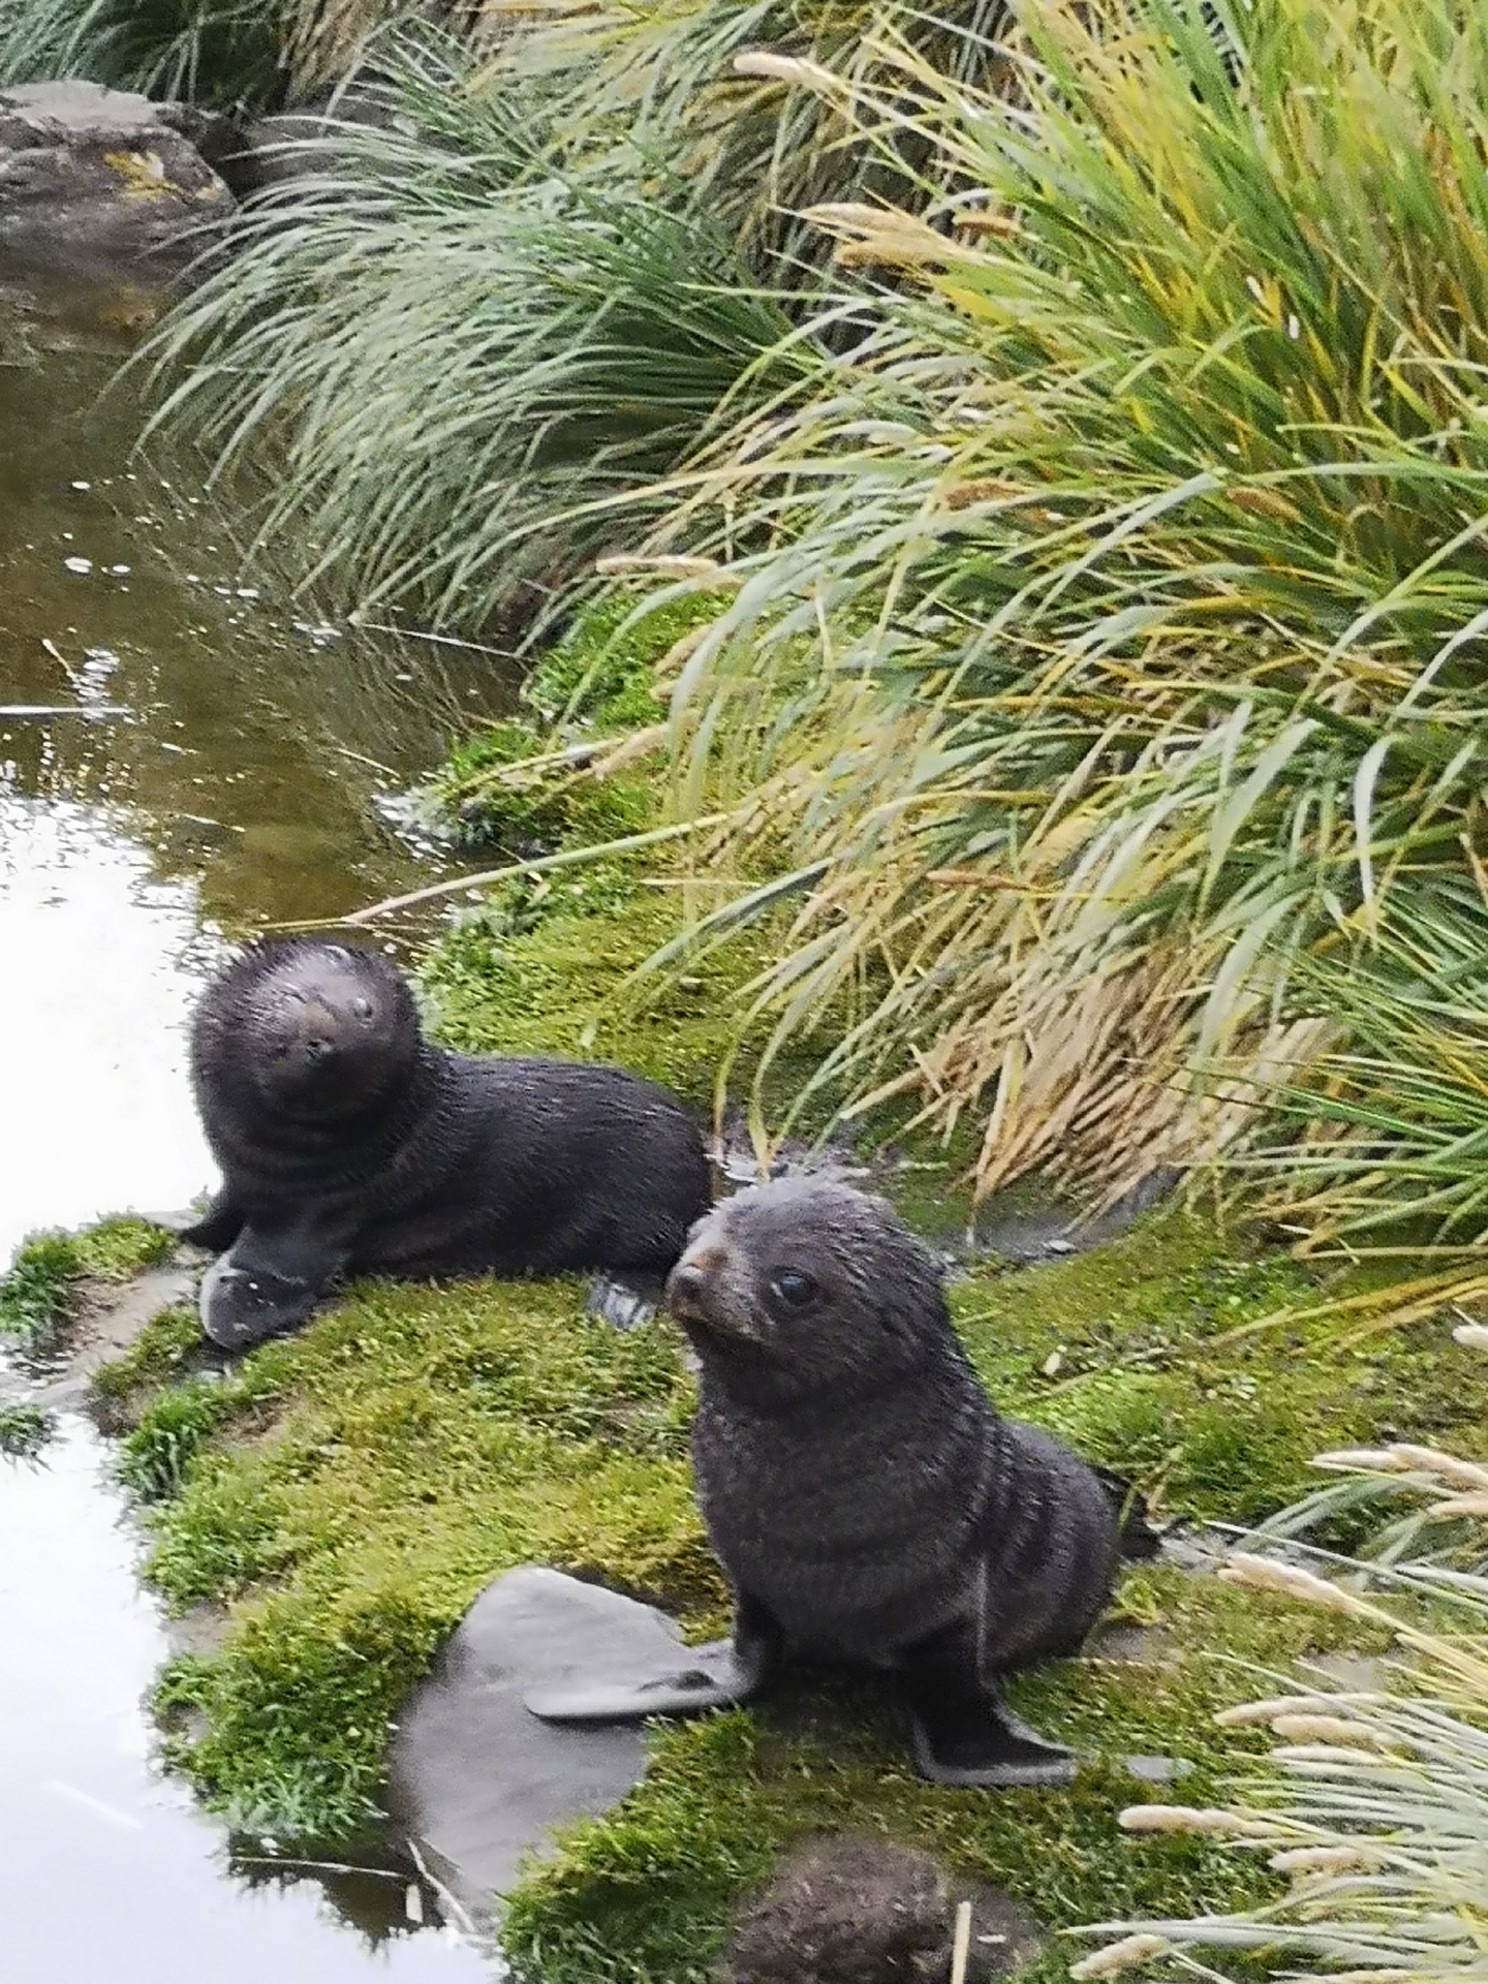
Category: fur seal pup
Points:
column 349, row 1143
column 864, row 1496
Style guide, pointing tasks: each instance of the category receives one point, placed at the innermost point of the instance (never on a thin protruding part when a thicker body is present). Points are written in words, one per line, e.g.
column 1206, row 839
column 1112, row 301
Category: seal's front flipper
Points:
column 964, row 1732
column 712, row 1679
column 625, row 1297
column 992, row 1750
column 242, row 1306
column 215, row 1229
column 724, row 1674
column 268, row 1283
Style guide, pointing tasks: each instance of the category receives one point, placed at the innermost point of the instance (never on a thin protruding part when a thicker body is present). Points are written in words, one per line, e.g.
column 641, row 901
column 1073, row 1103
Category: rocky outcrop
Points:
column 474, row 1778
column 849, row 1910
column 99, row 186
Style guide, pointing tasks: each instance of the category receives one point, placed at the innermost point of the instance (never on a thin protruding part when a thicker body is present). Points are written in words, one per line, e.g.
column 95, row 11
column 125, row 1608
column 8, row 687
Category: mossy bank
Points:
column 343, row 1495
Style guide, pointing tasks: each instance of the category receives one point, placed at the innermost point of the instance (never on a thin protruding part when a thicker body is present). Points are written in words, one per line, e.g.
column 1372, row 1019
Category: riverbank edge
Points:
column 338, row 1499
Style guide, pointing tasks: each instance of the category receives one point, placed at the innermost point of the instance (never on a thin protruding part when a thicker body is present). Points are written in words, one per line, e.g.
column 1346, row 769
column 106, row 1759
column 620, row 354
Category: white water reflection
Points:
column 99, row 966
column 106, row 1869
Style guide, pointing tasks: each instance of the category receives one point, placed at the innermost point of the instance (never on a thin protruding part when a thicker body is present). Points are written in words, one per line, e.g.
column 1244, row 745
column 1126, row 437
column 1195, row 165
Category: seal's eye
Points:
column 362, row 1008
column 792, row 1289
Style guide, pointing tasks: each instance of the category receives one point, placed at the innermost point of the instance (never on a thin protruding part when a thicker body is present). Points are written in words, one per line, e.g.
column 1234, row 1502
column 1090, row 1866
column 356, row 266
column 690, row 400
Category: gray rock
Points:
column 1159, row 1770
column 852, row 1910
column 474, row 1778
column 96, row 186
column 108, row 1319
column 306, row 140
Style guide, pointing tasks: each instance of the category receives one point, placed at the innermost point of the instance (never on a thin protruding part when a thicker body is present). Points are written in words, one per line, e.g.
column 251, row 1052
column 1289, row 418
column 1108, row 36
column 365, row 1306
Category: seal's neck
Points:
column 748, row 1380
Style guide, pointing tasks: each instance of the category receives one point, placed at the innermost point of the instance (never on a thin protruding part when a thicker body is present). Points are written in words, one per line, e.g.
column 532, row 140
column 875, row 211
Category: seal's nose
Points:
column 317, row 1033
column 687, row 1287
column 684, row 1289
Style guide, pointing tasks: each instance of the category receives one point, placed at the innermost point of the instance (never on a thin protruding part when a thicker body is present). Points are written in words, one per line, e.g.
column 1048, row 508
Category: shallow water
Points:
column 181, row 756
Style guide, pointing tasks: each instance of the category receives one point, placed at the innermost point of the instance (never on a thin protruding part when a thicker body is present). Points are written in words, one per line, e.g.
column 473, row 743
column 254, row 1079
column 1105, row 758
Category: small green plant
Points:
column 37, row 1292
column 34, row 1292
column 156, row 1453
column 24, row 1431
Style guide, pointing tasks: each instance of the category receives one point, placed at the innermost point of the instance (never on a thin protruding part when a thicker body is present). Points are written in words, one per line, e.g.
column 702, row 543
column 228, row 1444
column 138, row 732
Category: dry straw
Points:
column 1373, row 1804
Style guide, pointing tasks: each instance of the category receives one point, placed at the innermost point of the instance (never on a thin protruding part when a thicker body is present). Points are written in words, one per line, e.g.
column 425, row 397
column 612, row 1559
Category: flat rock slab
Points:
column 108, row 1319
column 474, row 1778
column 99, row 185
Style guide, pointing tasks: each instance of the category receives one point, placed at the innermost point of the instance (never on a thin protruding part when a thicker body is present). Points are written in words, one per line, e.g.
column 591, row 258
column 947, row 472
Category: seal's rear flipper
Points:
column 964, row 1731
column 625, row 1297
column 716, row 1678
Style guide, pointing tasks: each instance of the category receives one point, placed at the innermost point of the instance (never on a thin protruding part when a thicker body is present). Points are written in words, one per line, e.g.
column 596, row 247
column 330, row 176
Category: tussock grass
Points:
column 1374, row 1803
column 228, row 53
column 1105, row 626
column 466, row 342
column 1384, row 1150
column 460, row 338
column 759, row 151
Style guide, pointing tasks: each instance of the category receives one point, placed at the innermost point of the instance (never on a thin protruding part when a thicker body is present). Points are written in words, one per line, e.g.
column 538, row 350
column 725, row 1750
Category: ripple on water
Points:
column 212, row 765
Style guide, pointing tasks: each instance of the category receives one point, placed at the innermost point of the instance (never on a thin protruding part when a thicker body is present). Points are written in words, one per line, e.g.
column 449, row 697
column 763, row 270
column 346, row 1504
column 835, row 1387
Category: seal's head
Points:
column 317, row 1028
column 810, row 1286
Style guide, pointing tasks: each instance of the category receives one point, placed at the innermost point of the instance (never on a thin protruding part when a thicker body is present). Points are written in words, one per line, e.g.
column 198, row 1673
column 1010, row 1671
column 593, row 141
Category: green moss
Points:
column 647, row 1892
column 162, row 1351
column 561, row 988
column 348, row 1492
column 353, row 1488
column 37, row 1294
column 509, row 786
column 1143, row 1354
column 117, row 1249
column 604, row 667
column 484, row 798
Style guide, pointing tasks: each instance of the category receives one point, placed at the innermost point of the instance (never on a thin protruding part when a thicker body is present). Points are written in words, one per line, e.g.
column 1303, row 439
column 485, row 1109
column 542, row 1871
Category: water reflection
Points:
column 179, row 756
column 106, row 1867
column 99, row 964
column 256, row 746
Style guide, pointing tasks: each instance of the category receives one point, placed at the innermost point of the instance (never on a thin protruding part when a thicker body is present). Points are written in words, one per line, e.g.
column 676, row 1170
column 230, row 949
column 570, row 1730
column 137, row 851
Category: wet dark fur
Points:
column 350, row 1143
column 851, row 1468
column 865, row 1497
